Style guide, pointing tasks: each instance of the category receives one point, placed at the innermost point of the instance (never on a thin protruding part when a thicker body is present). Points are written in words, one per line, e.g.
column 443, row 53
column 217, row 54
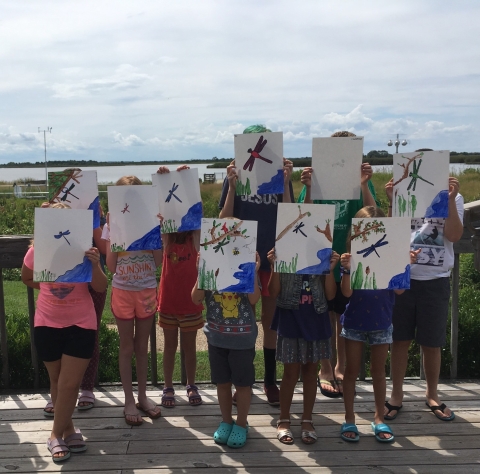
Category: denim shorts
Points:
column 384, row 336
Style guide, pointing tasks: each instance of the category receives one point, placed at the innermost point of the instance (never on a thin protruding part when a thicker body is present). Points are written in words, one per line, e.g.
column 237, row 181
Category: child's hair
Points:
column 424, row 149
column 370, row 211
column 177, row 237
column 343, row 133
column 256, row 129
column 128, row 180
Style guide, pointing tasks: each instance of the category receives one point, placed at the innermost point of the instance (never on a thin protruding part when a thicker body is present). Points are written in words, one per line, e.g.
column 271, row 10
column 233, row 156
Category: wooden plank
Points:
column 12, row 250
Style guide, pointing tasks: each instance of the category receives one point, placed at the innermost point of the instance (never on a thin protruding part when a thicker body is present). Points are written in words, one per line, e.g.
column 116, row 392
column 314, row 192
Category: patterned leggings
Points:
column 88, row 381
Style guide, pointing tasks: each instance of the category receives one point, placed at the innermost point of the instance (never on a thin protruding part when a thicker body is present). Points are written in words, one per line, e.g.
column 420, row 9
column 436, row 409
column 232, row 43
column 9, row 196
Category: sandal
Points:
column 150, row 412
column 238, row 436
column 75, row 442
column 283, row 434
column 329, row 383
column 382, row 428
column 350, row 428
column 309, row 437
column 130, row 422
column 87, row 397
column 48, row 411
column 391, row 408
column 168, row 401
column 194, row 397
column 57, row 446
column 441, row 408
column 223, row 432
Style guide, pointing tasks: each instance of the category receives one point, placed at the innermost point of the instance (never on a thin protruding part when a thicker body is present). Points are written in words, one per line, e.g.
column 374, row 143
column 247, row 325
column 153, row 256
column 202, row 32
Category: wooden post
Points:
column 33, row 349
column 3, row 336
column 153, row 352
column 454, row 318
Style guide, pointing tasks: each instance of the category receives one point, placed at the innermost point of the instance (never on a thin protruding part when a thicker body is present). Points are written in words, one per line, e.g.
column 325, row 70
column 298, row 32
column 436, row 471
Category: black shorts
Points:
column 52, row 343
column 232, row 366
column 339, row 303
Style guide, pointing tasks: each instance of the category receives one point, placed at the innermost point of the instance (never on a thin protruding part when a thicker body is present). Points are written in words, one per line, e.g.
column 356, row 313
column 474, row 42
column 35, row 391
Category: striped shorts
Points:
column 186, row 322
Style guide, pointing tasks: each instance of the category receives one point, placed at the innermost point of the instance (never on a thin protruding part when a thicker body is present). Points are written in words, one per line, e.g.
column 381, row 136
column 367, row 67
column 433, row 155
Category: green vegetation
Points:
column 207, row 279
column 284, row 267
column 169, row 226
column 243, row 189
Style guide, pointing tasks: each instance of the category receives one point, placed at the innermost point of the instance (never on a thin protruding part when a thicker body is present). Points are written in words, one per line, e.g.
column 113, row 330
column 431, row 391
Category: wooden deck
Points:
column 181, row 441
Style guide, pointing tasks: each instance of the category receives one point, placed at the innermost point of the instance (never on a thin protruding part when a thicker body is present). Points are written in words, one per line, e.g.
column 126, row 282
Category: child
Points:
column 303, row 325
column 231, row 355
column 176, row 308
column 65, row 337
column 134, row 301
column 367, row 318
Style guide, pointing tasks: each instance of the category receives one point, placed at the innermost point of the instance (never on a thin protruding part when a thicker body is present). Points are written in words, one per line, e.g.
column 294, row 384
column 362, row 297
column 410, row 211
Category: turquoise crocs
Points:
column 222, row 435
column 238, row 437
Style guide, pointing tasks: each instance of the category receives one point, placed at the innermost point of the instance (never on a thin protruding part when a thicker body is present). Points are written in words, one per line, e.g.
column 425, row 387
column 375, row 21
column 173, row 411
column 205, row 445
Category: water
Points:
column 110, row 174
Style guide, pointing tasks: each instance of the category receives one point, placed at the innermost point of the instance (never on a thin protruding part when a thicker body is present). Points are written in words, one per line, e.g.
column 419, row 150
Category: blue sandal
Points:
column 350, row 428
column 222, row 435
column 238, row 437
column 382, row 428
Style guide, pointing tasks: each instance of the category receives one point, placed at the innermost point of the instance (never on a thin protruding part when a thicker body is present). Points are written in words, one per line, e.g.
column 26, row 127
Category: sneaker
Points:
column 273, row 394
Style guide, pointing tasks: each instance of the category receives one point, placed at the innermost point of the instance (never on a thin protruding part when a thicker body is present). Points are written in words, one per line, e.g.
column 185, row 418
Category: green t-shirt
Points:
column 344, row 211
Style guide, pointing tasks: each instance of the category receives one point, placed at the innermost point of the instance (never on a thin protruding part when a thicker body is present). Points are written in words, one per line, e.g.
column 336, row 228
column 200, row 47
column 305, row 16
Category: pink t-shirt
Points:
column 60, row 305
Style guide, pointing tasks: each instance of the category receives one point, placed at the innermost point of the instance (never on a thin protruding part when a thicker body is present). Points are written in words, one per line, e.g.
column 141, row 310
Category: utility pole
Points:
column 49, row 130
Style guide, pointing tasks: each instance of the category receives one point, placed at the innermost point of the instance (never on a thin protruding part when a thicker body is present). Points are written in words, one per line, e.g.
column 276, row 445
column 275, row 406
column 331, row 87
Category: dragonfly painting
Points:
column 171, row 194
column 255, row 154
column 298, row 228
column 373, row 248
column 125, row 209
column 67, row 192
column 63, row 234
column 414, row 175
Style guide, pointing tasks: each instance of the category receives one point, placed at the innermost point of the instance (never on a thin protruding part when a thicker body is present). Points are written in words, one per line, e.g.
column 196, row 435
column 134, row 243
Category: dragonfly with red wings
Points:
column 255, row 154
column 125, row 209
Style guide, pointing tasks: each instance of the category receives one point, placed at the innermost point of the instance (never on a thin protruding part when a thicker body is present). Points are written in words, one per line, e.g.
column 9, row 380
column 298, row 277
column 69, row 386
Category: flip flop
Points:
column 150, row 412
column 327, row 393
column 350, row 428
column 382, row 428
column 75, row 442
column 129, row 422
column 441, row 408
column 391, row 408
column 86, row 396
column 46, row 412
column 56, row 446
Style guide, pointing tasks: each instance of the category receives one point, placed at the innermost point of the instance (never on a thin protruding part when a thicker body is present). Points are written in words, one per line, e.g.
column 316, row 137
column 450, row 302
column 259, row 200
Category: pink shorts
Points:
column 127, row 304
column 264, row 276
column 186, row 322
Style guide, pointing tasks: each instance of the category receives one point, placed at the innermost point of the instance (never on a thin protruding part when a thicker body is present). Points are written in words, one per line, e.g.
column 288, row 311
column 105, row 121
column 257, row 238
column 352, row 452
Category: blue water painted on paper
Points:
column 275, row 186
column 246, row 277
column 95, row 207
column 150, row 241
column 82, row 273
column 321, row 268
column 439, row 205
column 192, row 220
column 400, row 281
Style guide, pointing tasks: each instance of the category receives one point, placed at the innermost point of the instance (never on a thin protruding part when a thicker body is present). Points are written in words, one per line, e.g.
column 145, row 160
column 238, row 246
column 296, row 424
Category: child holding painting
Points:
column 134, row 302
column 303, row 326
column 231, row 353
column 65, row 327
column 367, row 318
column 176, row 308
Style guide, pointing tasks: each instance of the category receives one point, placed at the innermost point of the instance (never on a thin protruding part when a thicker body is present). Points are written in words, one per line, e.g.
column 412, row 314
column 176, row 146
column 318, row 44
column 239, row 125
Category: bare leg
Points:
column 398, row 362
column 244, row 397
column 189, row 346
column 432, row 358
column 224, row 394
column 309, row 376
column 287, row 387
column 378, row 357
column 142, row 334
column 341, row 359
column 353, row 352
column 170, row 337
column 326, row 365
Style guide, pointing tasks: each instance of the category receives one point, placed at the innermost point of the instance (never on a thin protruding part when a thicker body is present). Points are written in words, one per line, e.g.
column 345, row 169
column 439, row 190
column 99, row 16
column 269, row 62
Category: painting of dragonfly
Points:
column 61, row 258
column 76, row 188
column 420, row 184
column 380, row 253
column 179, row 200
column 259, row 163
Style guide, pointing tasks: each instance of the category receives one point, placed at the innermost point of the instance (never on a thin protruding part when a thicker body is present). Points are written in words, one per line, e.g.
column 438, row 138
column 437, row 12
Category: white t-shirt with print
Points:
column 437, row 256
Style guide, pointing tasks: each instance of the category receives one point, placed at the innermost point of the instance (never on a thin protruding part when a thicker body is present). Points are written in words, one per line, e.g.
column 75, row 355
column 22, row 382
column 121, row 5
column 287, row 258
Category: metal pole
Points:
column 46, row 167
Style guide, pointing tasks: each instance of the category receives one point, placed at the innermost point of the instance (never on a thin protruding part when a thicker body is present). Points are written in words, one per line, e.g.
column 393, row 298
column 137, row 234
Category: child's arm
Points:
column 330, row 283
column 27, row 278
column 287, row 173
column 196, row 239
column 345, row 283
column 453, row 225
column 366, row 174
column 227, row 210
column 197, row 295
column 99, row 280
column 389, row 193
column 255, row 296
column 274, row 285
column 306, row 179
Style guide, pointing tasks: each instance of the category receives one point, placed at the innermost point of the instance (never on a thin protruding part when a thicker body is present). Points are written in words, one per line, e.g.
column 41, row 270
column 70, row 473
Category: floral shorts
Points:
column 383, row 336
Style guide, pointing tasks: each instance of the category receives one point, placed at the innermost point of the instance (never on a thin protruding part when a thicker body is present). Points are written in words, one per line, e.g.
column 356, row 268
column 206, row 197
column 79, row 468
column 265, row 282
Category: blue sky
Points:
column 158, row 80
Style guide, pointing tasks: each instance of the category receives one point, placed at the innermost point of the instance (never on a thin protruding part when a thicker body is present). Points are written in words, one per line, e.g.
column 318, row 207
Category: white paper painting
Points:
column 259, row 163
column 179, row 200
column 227, row 255
column 420, row 184
column 304, row 238
column 134, row 224
column 380, row 253
column 77, row 189
column 336, row 163
column 62, row 236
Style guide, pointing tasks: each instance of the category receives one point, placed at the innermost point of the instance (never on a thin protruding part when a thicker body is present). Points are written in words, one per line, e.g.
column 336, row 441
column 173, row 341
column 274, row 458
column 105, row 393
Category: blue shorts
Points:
column 384, row 336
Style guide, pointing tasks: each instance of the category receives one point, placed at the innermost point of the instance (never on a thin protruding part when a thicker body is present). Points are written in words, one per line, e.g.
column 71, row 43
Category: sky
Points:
column 155, row 80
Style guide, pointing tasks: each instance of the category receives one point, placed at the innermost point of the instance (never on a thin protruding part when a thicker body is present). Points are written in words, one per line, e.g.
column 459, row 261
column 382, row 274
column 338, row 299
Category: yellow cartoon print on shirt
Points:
column 229, row 302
